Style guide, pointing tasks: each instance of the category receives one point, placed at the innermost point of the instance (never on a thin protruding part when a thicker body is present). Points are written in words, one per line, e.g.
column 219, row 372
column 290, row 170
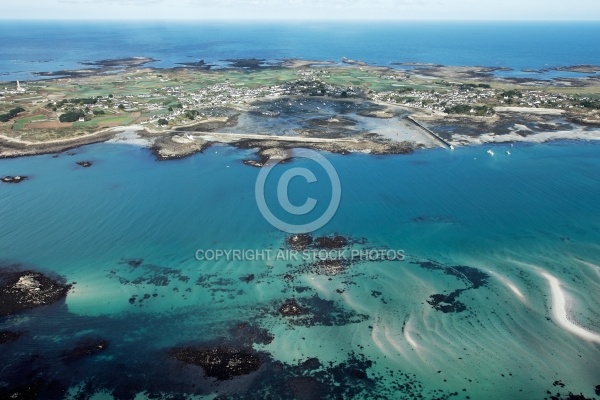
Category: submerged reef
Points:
column 449, row 303
column 9, row 336
column 219, row 362
column 231, row 356
column 314, row 311
column 85, row 348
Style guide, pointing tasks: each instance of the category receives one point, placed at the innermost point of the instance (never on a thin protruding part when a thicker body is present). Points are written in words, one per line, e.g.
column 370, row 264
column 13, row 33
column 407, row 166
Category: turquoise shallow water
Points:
column 512, row 217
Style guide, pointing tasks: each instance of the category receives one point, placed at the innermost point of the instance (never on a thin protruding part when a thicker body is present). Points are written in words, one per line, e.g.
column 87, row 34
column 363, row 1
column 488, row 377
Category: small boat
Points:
column 490, row 152
column 451, row 147
column 268, row 113
column 508, row 152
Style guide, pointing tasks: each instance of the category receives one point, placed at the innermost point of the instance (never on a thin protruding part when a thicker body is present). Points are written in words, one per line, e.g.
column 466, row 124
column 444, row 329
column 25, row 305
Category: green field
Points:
column 20, row 123
column 108, row 119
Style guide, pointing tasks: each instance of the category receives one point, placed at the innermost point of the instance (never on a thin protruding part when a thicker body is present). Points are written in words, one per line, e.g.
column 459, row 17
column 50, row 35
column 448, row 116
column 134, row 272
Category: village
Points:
column 160, row 101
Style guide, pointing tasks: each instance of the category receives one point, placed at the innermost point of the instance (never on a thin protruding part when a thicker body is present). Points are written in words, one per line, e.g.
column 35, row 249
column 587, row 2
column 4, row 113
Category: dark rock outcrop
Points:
column 222, row 363
column 14, row 179
column 331, row 242
column 290, row 308
column 24, row 290
column 299, row 242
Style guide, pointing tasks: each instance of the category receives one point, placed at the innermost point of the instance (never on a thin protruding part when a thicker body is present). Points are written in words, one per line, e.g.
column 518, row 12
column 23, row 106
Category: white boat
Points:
column 508, row 152
column 490, row 152
column 451, row 147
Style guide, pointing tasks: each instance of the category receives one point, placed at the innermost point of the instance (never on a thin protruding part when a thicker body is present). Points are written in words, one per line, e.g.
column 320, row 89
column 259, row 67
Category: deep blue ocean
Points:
column 27, row 47
column 511, row 241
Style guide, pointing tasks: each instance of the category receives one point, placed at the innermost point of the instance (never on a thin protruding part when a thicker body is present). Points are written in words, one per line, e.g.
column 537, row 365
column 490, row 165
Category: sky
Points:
column 303, row 9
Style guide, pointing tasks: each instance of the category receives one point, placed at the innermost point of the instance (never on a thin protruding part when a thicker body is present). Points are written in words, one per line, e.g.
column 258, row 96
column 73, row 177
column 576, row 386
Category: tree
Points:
column 191, row 114
column 466, row 109
column 11, row 114
column 512, row 93
column 162, row 122
column 121, row 107
column 71, row 116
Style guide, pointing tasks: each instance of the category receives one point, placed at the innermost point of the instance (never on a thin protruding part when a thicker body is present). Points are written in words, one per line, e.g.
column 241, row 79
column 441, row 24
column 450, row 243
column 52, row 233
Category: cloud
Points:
column 302, row 9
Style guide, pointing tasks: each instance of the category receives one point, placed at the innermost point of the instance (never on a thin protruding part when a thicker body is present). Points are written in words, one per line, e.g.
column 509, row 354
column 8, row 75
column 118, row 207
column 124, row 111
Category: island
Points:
column 274, row 107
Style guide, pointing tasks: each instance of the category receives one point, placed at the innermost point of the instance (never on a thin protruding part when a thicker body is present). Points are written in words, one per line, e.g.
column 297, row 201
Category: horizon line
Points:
column 374, row 20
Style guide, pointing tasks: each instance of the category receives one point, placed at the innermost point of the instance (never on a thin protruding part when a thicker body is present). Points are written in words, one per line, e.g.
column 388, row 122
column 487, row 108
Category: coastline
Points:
column 183, row 137
column 467, row 267
column 12, row 148
column 174, row 144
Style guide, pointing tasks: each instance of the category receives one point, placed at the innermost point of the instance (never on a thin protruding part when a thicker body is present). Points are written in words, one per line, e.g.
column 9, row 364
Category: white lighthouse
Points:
column 19, row 88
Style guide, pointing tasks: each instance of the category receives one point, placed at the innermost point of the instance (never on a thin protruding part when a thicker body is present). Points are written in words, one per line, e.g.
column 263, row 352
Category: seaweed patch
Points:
column 449, row 303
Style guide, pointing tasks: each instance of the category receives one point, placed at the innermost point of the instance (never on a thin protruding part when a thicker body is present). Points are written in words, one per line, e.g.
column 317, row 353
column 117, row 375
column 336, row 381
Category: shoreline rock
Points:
column 14, row 149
